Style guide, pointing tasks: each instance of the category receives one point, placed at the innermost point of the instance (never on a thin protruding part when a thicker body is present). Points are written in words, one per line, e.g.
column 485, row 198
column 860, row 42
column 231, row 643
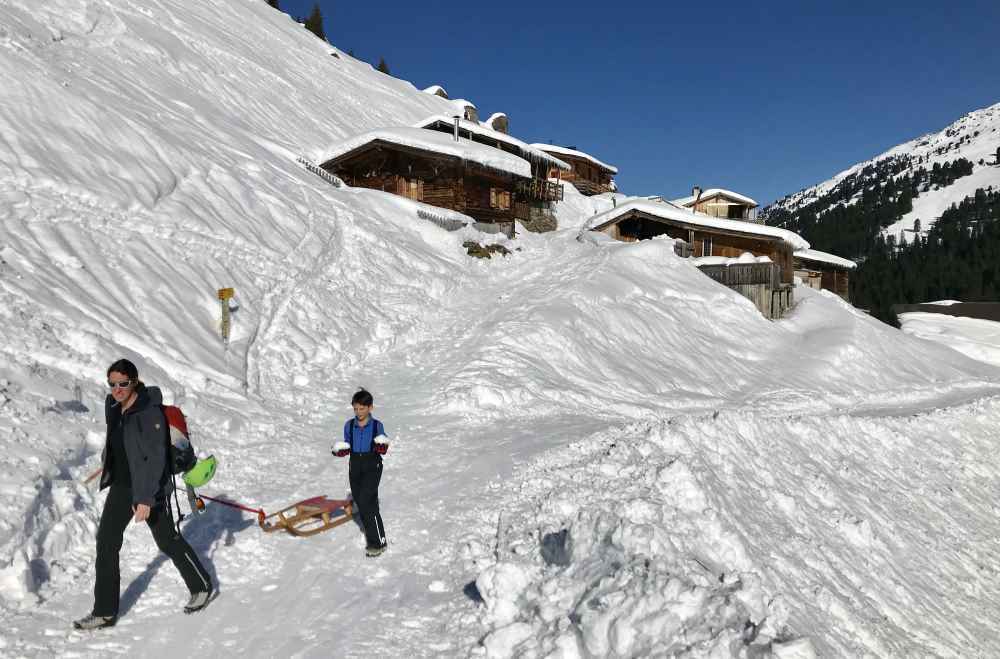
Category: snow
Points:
column 478, row 129
column 980, row 131
column 825, row 257
column 561, row 150
column 436, row 90
column 745, row 257
column 597, row 450
column 434, row 142
column 669, row 211
column 711, row 192
column 973, row 337
column 493, row 117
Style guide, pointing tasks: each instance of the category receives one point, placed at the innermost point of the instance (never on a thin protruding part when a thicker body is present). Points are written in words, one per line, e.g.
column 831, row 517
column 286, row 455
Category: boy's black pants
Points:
column 114, row 520
column 365, row 474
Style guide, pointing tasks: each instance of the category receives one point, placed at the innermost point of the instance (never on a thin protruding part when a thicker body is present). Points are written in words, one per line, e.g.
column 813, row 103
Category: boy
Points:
column 366, row 443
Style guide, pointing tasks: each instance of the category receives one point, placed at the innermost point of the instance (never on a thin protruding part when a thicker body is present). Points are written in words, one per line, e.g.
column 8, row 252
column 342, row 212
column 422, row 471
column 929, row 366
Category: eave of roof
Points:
column 671, row 213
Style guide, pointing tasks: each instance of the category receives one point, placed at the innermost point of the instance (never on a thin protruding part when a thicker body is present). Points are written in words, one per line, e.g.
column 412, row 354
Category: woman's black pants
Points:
column 365, row 474
column 114, row 520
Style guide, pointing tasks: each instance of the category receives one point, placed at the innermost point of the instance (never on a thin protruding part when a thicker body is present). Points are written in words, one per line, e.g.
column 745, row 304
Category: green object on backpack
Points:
column 202, row 472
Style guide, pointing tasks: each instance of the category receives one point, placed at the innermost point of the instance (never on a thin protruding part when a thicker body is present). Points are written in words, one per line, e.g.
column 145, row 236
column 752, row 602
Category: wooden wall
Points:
column 441, row 182
column 825, row 276
column 705, row 206
column 583, row 172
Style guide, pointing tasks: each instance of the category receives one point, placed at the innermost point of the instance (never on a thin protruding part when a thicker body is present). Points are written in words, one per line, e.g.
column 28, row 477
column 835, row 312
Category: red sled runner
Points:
column 309, row 516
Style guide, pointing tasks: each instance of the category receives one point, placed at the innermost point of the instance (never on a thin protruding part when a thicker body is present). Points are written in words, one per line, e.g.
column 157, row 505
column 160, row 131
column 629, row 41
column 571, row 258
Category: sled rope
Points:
column 232, row 504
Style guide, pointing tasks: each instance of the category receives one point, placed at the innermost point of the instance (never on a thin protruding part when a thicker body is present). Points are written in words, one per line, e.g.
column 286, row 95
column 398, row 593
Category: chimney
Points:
column 696, row 192
column 455, row 132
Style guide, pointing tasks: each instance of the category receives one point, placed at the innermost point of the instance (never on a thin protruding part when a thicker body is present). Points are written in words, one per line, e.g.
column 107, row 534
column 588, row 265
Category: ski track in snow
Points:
column 596, row 451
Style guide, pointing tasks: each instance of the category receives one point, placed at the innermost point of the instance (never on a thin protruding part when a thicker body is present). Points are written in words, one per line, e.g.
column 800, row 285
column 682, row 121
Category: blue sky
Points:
column 762, row 98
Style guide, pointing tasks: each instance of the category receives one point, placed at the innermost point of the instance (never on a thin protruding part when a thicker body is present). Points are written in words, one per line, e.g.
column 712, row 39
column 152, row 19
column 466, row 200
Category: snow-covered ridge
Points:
column 975, row 137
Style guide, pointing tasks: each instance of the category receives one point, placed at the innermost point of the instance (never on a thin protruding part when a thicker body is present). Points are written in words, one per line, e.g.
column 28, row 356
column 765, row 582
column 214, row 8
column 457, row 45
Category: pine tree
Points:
column 315, row 22
column 382, row 66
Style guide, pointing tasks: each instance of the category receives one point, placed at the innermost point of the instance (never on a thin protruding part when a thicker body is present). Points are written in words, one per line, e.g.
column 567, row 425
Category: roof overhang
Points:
column 693, row 226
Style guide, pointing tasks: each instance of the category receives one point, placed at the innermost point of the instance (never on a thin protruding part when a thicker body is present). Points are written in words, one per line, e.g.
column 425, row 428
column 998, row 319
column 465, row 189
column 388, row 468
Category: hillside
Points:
column 975, row 138
column 921, row 218
column 596, row 450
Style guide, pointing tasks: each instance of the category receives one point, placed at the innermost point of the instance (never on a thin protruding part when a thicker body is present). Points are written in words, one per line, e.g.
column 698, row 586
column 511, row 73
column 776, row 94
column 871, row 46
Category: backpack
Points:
column 180, row 453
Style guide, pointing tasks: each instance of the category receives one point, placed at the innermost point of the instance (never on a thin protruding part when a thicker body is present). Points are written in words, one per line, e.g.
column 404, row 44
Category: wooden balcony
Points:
column 539, row 190
column 589, row 188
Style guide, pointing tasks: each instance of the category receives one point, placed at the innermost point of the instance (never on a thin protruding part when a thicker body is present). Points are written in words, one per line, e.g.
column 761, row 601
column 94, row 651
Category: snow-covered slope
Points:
column 149, row 159
column 975, row 137
column 977, row 338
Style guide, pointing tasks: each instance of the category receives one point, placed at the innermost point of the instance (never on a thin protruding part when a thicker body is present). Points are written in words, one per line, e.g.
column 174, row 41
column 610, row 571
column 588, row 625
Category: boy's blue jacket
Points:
column 362, row 438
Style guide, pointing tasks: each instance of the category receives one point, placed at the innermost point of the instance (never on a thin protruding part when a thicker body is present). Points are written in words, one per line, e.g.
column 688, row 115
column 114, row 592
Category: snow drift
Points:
column 149, row 158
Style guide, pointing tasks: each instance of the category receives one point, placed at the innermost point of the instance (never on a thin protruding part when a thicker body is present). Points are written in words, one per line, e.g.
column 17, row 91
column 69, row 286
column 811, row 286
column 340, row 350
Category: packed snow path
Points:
column 843, row 527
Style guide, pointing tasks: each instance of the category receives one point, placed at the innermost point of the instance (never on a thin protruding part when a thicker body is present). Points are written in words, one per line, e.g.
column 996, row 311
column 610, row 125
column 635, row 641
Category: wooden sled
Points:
column 309, row 516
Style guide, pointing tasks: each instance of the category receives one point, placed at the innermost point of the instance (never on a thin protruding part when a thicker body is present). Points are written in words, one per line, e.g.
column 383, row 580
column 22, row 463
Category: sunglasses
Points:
column 124, row 384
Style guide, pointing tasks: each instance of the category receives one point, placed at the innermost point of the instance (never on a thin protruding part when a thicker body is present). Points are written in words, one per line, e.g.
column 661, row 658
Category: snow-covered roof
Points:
column 711, row 192
column 435, row 142
column 670, row 211
column 436, row 90
column 528, row 151
column 562, row 150
column 462, row 103
column 825, row 257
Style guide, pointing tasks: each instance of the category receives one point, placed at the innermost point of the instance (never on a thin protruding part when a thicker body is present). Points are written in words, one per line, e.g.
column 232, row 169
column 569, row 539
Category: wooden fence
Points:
column 758, row 282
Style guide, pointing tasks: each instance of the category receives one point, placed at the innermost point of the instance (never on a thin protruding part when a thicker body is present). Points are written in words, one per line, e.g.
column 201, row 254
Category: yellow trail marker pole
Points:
column 224, row 296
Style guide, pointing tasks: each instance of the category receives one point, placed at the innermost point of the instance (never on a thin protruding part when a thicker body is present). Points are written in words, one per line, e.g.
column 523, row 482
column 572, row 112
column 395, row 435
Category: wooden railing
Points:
column 522, row 210
column 320, row 172
column 768, row 274
column 758, row 282
column 589, row 188
column 540, row 190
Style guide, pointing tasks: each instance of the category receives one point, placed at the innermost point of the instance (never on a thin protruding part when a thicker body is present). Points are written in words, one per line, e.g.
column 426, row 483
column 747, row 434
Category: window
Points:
column 500, row 199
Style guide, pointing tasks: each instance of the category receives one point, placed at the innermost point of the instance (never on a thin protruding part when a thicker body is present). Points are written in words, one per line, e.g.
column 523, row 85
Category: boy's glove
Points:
column 341, row 449
column 381, row 444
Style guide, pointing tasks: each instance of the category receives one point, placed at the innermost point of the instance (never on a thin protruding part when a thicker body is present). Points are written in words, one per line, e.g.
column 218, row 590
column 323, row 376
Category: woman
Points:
column 135, row 467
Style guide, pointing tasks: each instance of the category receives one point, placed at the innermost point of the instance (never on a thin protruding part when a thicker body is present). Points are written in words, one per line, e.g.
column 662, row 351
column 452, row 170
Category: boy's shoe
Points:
column 372, row 552
column 91, row 621
column 198, row 601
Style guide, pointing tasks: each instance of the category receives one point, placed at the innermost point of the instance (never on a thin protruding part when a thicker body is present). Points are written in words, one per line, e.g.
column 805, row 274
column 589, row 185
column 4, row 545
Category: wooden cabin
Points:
column 533, row 196
column 432, row 168
column 824, row 271
column 768, row 282
column 587, row 174
column 716, row 202
column 643, row 221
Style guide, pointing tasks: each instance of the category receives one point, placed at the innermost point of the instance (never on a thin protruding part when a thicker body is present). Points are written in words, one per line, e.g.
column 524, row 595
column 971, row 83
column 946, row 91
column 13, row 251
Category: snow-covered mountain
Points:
column 596, row 450
column 975, row 138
